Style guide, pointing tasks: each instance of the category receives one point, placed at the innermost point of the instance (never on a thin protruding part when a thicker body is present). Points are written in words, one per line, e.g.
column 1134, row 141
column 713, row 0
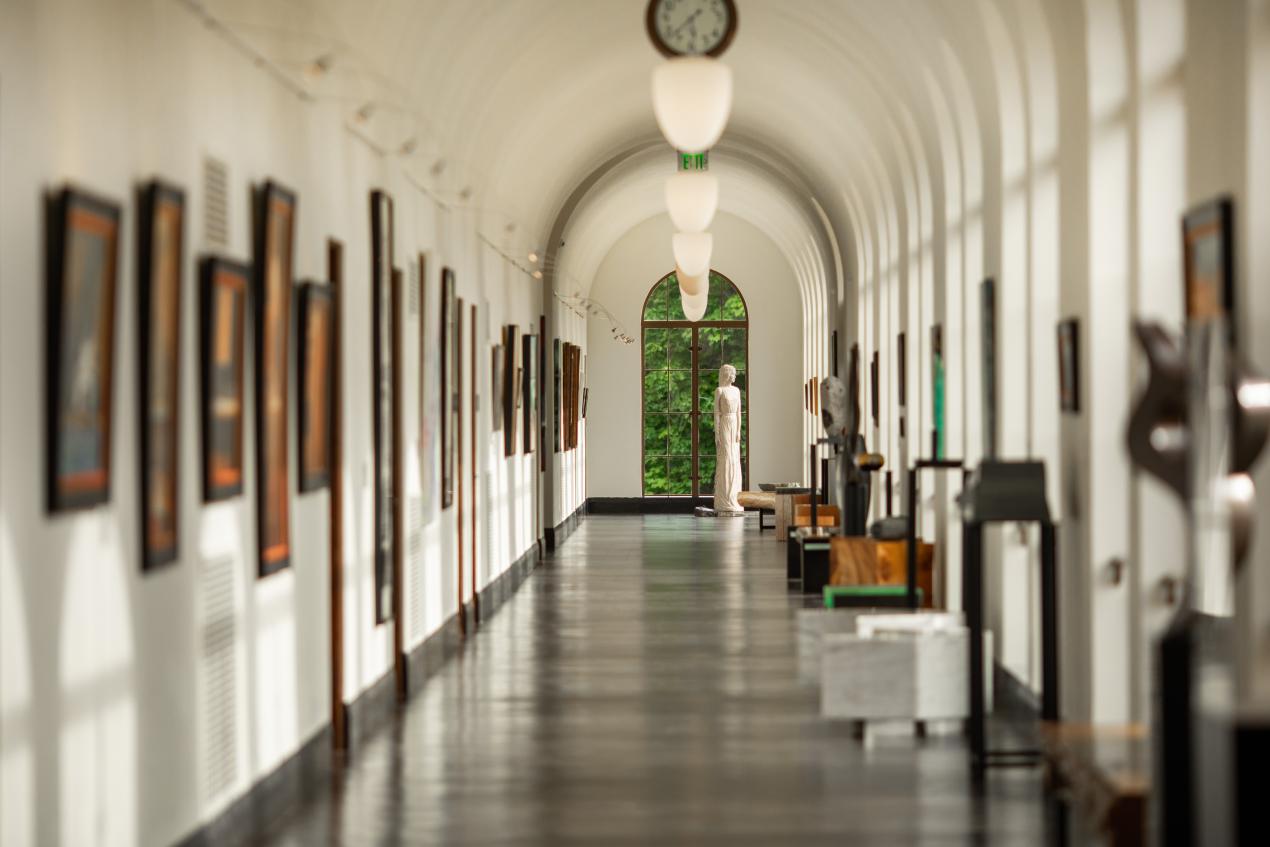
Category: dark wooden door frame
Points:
column 398, row 496
column 476, row 594
column 335, row 273
column 456, row 391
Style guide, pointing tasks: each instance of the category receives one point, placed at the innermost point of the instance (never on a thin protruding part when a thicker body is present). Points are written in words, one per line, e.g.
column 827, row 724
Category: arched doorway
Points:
column 681, row 361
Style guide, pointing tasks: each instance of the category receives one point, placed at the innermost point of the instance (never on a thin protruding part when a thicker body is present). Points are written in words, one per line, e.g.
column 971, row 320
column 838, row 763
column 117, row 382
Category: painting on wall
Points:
column 937, row 390
column 160, row 231
column 274, row 239
column 1069, row 365
column 558, row 401
column 82, row 262
column 529, row 390
column 496, row 386
column 874, row 390
column 1208, row 263
column 510, row 390
column 450, row 352
column 383, row 381
column 223, row 310
column 585, row 394
column 988, row 364
column 316, row 371
column 901, row 388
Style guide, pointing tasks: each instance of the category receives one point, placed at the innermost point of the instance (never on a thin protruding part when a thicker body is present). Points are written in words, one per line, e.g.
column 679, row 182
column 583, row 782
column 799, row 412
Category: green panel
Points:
column 656, row 431
column 655, row 478
column 680, row 476
column 679, row 347
column 655, row 348
column 733, row 342
column 656, row 391
column 680, row 391
column 710, row 339
column 679, row 435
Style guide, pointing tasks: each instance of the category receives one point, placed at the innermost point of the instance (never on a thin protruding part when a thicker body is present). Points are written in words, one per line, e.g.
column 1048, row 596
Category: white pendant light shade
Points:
column 692, row 251
column 694, row 305
column 692, row 285
column 692, row 98
column 692, row 197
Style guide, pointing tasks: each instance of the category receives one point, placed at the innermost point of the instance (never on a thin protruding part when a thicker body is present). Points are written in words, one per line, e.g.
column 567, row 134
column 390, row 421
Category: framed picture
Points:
column 901, row 367
column 557, row 353
column 511, row 390
column 833, row 351
column 937, row 390
column 82, row 263
column 383, row 381
column 540, row 396
column 988, row 364
column 449, row 386
column 1069, row 365
column 875, row 389
column 275, row 234
column 496, row 386
column 585, row 393
column 222, row 351
column 317, row 368
column 529, row 389
column 160, row 231
column 1208, row 260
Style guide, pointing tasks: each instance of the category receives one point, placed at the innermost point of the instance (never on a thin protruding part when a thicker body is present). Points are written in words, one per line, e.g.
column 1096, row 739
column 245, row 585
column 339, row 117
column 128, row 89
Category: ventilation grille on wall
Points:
column 219, row 672
column 416, row 566
column 215, row 203
column 414, row 290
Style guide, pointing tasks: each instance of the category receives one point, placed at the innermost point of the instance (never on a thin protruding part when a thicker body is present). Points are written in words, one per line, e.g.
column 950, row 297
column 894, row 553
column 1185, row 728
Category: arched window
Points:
column 681, row 360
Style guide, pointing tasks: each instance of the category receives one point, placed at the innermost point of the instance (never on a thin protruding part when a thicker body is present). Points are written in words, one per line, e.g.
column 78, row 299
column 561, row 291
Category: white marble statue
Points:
column 727, row 443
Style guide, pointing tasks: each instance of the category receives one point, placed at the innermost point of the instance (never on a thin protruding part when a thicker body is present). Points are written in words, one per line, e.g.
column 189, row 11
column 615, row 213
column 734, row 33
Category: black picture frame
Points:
column 450, row 364
column 1069, row 366
column 509, row 396
column 316, row 367
column 275, row 287
column 497, row 379
column 160, row 260
column 82, row 244
column 988, row 364
column 224, row 287
column 529, row 388
column 558, row 353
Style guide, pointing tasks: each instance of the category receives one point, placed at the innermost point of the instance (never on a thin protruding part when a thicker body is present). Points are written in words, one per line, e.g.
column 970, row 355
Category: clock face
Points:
column 691, row 27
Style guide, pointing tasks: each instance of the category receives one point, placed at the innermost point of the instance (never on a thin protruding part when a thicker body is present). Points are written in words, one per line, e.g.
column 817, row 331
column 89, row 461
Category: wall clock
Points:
column 691, row 27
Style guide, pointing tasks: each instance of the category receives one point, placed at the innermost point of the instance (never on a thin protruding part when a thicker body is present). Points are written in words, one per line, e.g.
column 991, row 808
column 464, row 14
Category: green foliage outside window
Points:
column 669, row 399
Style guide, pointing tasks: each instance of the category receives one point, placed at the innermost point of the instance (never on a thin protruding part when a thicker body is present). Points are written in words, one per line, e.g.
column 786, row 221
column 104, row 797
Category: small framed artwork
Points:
column 529, row 388
column 274, row 240
column 1208, row 259
column 316, row 367
column 222, row 353
column 496, row 386
column 559, row 400
column 510, row 394
column 383, row 380
column 160, row 229
column 937, row 390
column 988, row 364
column 82, row 263
column 1069, row 365
column 874, row 392
column 901, row 368
column 586, row 392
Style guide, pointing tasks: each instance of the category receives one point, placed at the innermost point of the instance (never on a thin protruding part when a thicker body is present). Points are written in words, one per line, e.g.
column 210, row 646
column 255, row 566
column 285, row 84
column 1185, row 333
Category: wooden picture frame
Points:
column 316, row 366
column 160, row 258
column 274, row 251
column 82, row 241
column 558, row 357
column 529, row 389
column 222, row 356
column 1069, row 366
column 450, row 353
column 1208, row 263
column 988, row 364
column 510, row 390
column 384, row 283
column 496, row 387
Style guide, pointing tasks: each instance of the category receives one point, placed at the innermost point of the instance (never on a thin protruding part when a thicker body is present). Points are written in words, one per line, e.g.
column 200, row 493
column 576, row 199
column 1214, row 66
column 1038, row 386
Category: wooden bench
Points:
column 763, row 502
column 1103, row 774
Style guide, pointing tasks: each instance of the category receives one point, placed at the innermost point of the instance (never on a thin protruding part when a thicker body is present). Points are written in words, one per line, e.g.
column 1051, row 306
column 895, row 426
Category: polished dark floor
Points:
column 641, row 688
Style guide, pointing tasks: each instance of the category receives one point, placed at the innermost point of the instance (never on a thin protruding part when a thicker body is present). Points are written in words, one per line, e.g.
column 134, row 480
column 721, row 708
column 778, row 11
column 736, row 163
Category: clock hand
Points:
column 686, row 21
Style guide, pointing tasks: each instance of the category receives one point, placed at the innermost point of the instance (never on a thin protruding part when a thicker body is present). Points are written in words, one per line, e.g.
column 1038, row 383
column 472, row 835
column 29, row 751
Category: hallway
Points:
column 641, row 688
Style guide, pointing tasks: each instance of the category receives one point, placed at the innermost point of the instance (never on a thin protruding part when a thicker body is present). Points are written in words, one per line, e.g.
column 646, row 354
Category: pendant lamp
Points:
column 692, row 251
column 692, row 285
column 694, row 306
column 692, row 98
column 692, row 198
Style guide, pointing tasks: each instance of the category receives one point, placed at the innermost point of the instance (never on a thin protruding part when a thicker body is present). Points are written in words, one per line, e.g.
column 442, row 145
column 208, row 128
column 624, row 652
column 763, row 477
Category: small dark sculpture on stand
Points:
column 840, row 414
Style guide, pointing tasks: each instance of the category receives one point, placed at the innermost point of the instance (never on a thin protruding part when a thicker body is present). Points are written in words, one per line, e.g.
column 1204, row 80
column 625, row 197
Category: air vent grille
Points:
column 219, row 674
column 215, row 203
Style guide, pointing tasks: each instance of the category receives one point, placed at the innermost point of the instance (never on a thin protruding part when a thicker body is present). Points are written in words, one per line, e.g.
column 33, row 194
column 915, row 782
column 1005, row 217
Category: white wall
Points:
column 745, row 255
column 106, row 711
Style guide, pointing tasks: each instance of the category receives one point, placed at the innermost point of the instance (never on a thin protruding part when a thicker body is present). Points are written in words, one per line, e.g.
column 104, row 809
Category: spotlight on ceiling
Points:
column 465, row 194
column 533, row 256
column 692, row 98
column 438, row 167
column 409, row 146
column 319, row 67
column 364, row 114
column 537, row 274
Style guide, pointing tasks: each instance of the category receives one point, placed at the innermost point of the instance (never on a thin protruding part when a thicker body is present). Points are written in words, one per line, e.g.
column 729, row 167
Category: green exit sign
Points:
column 694, row 161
